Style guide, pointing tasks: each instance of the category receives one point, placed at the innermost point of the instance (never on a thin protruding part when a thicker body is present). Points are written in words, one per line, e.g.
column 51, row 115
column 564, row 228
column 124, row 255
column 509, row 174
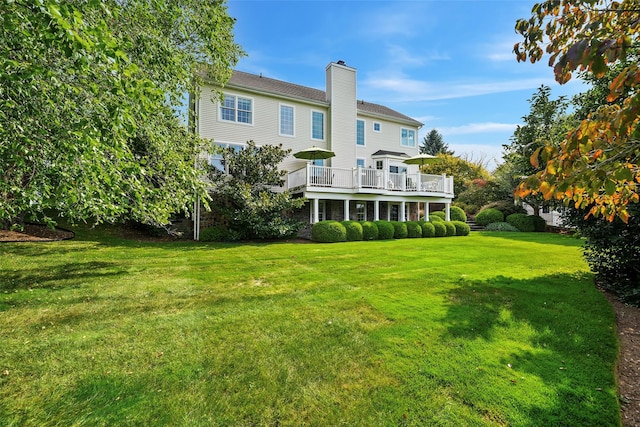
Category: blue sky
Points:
column 448, row 64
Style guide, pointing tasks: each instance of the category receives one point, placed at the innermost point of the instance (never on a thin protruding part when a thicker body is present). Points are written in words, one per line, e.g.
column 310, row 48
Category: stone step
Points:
column 474, row 226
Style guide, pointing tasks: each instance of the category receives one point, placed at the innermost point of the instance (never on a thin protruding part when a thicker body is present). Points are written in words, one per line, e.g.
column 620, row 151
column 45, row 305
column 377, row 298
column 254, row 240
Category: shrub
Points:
column 457, row 214
column 435, row 218
column 539, row 224
column 385, row 230
column 413, row 229
column 487, row 216
column 462, row 228
column 328, row 232
column 500, row 226
column 218, row 233
column 507, row 207
column 369, row 230
column 522, row 222
column 439, row 229
column 354, row 230
column 451, row 229
column 399, row 229
column 439, row 214
column 428, row 230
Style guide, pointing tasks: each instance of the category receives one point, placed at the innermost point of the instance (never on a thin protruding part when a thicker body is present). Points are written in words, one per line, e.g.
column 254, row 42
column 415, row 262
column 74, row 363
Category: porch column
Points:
column 447, row 211
column 402, row 211
column 376, row 210
column 316, row 203
column 426, row 210
column 346, row 210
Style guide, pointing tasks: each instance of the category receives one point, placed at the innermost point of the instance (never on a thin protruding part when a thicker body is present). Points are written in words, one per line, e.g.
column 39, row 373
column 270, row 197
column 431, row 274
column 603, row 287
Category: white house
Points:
column 366, row 180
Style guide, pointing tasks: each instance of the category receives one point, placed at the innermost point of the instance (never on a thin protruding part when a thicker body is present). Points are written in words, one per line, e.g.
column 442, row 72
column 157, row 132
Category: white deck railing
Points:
column 367, row 178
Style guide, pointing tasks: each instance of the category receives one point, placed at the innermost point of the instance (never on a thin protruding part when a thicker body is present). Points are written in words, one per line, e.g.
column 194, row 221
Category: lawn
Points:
column 492, row 329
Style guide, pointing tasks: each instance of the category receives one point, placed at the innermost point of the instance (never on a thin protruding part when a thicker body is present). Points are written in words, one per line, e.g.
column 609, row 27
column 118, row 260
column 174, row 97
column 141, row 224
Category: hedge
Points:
column 457, row 214
column 399, row 229
column 462, row 228
column 369, row 230
column 428, row 230
column 413, row 229
column 354, row 230
column 385, row 230
column 451, row 229
column 439, row 229
column 435, row 218
column 328, row 232
column 439, row 214
column 522, row 222
column 487, row 216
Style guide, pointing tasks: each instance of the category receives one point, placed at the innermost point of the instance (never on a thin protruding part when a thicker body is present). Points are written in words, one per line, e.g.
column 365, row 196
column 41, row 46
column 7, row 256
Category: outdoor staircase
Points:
column 473, row 226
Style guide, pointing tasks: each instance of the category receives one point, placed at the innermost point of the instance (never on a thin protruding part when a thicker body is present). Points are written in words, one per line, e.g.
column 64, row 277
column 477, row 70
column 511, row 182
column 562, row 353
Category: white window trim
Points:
column 364, row 129
column 286, row 135
column 373, row 127
column 364, row 161
column 235, row 121
column 322, row 210
column 414, row 137
column 364, row 202
column 324, row 125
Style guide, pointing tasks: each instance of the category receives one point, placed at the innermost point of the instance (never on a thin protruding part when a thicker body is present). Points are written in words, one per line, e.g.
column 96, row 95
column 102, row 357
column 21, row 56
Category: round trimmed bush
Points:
column 457, row 214
column 507, row 207
column 451, row 229
column 354, row 230
column 539, row 224
column 522, row 222
column 399, row 230
column 328, row 232
column 369, row 230
column 462, row 228
column 385, row 230
column 435, row 218
column 428, row 230
column 500, row 226
column 439, row 214
column 413, row 229
column 487, row 216
column 439, row 229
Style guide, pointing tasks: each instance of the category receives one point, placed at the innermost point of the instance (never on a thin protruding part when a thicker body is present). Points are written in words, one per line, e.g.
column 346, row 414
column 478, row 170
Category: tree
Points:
column 434, row 144
column 89, row 96
column 463, row 171
column 546, row 124
column 596, row 166
column 243, row 197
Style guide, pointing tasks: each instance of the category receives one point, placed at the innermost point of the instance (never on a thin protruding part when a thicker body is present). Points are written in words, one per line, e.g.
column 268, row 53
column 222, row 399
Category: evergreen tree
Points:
column 434, row 144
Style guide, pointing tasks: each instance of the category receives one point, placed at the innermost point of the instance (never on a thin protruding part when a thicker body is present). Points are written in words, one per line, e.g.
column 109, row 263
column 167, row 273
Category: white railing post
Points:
column 419, row 180
column 444, row 183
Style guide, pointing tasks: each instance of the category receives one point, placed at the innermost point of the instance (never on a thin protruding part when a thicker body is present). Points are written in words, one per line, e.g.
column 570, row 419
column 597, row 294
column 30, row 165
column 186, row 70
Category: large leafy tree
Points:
column 90, row 93
column 433, row 143
column 546, row 124
column 245, row 199
column 464, row 171
column 596, row 166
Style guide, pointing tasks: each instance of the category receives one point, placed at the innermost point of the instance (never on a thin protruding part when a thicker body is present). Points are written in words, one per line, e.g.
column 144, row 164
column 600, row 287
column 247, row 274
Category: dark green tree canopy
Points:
column 434, row 144
column 89, row 95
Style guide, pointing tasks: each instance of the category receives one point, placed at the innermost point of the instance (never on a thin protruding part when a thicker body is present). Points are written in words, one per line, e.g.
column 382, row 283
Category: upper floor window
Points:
column 317, row 125
column 377, row 127
column 217, row 160
column 360, row 132
column 408, row 138
column 237, row 109
column 286, row 120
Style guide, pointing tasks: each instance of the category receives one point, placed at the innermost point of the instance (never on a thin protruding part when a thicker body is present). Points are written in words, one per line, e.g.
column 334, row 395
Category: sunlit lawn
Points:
column 488, row 329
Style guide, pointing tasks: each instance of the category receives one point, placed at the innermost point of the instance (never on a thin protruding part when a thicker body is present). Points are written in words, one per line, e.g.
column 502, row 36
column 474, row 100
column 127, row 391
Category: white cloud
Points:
column 410, row 90
column 474, row 128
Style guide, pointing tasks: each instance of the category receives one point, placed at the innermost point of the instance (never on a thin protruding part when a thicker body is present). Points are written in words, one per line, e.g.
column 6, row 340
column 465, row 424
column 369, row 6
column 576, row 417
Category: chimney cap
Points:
column 341, row 62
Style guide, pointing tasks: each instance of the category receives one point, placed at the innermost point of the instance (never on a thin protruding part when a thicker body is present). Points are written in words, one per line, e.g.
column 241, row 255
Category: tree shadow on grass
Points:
column 60, row 276
column 570, row 343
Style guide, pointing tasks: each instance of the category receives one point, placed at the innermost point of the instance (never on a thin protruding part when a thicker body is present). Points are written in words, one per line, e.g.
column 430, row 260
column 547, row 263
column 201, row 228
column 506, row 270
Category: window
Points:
column 322, row 210
column 317, row 125
column 236, row 109
column 217, row 160
column 286, row 120
column 394, row 213
column 376, row 127
column 318, row 162
column 360, row 132
column 408, row 138
column 397, row 169
column 360, row 163
column 379, row 164
column 361, row 211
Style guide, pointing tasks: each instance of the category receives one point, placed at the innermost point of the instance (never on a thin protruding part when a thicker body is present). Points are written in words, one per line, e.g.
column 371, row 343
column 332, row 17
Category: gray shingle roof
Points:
column 248, row 81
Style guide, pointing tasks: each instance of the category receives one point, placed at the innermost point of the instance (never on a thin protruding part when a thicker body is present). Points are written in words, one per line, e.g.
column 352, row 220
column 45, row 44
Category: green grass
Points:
column 491, row 329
